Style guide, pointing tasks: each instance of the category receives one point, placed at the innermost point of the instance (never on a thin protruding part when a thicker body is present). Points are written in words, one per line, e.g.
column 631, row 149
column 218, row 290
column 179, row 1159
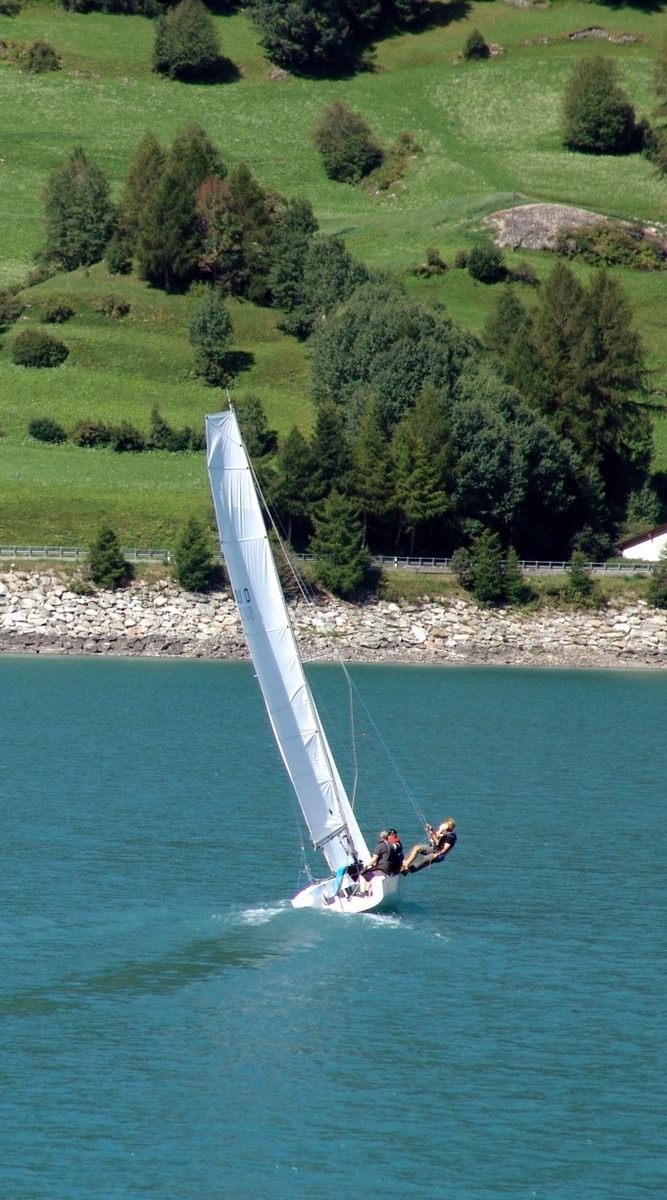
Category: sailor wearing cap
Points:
column 388, row 854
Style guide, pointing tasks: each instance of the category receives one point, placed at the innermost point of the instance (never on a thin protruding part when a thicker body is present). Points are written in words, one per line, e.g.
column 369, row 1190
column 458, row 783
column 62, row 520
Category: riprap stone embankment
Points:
column 40, row 614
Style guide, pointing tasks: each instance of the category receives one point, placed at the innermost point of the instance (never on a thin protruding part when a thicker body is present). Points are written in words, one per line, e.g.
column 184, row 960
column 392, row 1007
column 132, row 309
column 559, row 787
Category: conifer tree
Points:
column 375, row 481
column 507, row 320
column 209, row 331
column 193, row 559
column 248, row 205
column 145, row 172
column 341, row 561
column 260, row 441
column 292, row 233
column 558, row 334
column 303, row 36
column 420, row 493
column 221, row 231
column 514, row 587
column 169, row 242
column 331, row 452
column 79, row 213
column 487, row 562
column 579, row 585
column 598, row 116
column 106, row 563
column 291, row 489
column 587, row 364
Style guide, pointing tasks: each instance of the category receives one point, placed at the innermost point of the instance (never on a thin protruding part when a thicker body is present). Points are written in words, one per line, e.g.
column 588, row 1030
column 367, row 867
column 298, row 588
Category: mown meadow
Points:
column 489, row 134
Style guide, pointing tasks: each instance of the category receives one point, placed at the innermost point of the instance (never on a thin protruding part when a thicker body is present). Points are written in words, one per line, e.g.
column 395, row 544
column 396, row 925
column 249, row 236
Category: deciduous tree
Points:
column 384, row 342
column 346, row 144
column 186, row 42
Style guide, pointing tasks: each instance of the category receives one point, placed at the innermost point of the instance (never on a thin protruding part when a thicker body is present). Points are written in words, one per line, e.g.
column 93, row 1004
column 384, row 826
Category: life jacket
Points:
column 440, row 847
column 395, row 856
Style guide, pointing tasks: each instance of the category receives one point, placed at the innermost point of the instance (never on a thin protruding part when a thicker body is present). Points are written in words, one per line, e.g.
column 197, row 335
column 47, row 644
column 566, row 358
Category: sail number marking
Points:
column 244, row 602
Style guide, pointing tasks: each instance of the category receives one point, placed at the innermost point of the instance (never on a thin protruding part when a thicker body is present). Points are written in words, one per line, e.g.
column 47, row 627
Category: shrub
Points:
column 37, row 348
column 433, row 264
column 126, row 438
column 106, row 563
column 91, row 433
column 45, row 429
column 40, row 57
column 56, row 309
column 395, row 162
column 485, row 263
column 488, row 574
column 656, row 591
column 611, row 245
column 113, row 306
column 475, row 46
column 146, row 8
column 193, row 559
column 579, row 584
column 345, row 144
column 461, row 260
column 9, row 8
column 524, row 272
column 598, row 117
column 10, row 307
column 462, row 565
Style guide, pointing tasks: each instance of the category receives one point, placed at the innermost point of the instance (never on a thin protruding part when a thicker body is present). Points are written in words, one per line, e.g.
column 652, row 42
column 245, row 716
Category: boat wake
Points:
column 262, row 914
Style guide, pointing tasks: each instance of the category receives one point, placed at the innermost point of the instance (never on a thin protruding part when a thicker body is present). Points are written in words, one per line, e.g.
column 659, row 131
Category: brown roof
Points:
column 648, row 536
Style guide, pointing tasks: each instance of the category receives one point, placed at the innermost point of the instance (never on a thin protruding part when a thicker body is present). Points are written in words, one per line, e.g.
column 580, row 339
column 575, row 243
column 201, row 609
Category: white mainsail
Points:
column 294, row 718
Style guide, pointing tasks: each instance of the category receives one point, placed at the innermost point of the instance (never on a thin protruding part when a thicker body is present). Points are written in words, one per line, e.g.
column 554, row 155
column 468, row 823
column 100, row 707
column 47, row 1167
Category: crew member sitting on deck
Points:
column 388, row 854
column 441, row 841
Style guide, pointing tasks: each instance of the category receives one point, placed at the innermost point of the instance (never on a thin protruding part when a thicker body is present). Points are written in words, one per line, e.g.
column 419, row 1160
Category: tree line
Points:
column 425, row 436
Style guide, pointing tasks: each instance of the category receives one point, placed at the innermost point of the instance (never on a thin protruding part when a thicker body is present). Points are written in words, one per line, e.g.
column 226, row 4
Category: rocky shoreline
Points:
column 40, row 614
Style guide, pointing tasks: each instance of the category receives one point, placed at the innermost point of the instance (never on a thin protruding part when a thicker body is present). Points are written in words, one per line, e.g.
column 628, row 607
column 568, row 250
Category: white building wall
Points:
column 649, row 550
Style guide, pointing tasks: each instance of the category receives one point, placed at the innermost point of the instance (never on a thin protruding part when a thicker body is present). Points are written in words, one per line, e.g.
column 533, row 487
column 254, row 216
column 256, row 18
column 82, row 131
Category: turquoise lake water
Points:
column 172, row 1029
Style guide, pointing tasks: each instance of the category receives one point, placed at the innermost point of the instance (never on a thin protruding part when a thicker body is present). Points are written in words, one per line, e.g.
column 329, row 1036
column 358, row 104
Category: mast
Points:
column 273, row 649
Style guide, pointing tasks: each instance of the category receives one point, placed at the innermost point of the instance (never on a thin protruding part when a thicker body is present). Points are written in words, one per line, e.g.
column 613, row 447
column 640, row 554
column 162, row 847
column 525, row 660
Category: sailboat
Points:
column 293, row 716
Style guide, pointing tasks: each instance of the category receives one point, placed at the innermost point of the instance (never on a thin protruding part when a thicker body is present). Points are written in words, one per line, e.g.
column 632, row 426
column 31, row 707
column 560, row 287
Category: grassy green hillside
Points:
column 490, row 138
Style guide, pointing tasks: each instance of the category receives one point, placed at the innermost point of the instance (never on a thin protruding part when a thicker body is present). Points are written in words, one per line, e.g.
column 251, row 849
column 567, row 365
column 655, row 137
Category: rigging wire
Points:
column 307, row 595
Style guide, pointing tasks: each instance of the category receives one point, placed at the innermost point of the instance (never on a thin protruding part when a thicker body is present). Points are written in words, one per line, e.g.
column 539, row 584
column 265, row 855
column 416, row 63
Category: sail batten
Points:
column 273, row 648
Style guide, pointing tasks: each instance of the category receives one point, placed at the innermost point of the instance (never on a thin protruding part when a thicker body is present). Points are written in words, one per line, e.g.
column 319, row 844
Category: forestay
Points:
column 273, row 649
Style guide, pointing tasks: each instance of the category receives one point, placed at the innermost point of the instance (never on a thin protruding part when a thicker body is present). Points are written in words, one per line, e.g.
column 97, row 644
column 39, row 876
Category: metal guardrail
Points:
column 397, row 562
column 76, row 553
column 530, row 566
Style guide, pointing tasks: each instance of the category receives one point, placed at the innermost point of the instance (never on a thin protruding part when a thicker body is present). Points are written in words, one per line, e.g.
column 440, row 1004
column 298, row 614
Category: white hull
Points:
column 378, row 891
